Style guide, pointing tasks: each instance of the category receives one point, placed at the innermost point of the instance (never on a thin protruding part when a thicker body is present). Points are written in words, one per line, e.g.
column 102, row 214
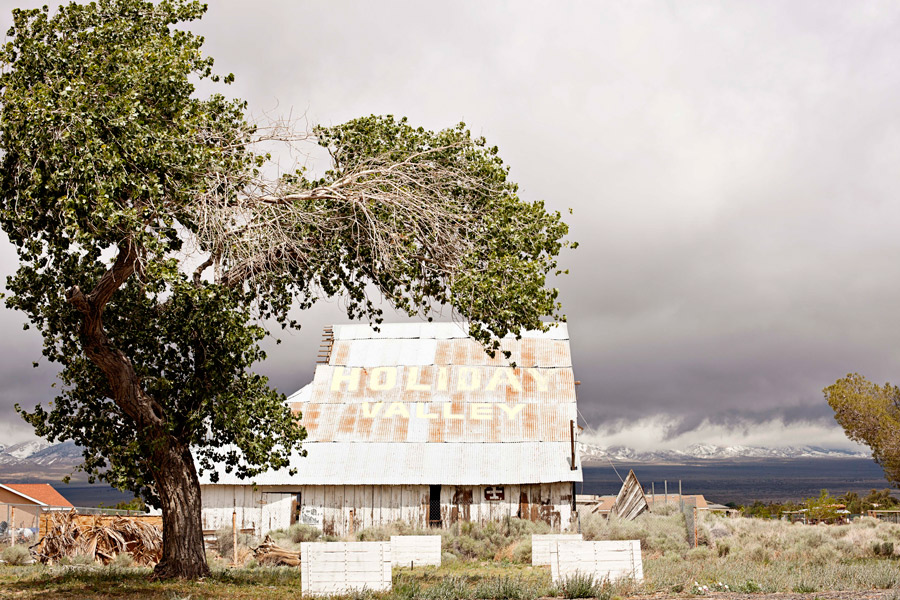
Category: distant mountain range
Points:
column 710, row 452
column 38, row 459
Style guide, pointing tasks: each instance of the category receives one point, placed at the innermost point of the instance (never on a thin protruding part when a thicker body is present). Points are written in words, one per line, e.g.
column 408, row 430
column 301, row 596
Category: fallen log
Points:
column 269, row 553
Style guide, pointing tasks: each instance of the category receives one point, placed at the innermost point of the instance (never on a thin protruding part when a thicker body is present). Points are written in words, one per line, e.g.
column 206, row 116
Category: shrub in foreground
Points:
column 16, row 555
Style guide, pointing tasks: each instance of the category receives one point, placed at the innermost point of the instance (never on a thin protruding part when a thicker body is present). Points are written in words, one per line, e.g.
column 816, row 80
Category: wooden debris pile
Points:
column 268, row 553
column 102, row 538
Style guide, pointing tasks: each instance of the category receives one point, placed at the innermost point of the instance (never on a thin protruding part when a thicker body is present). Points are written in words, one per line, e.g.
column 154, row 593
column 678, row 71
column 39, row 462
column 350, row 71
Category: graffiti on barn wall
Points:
column 312, row 515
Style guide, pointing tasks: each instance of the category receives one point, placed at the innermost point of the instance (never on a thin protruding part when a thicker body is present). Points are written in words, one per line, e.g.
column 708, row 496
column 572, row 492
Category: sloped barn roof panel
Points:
column 371, row 352
column 423, row 464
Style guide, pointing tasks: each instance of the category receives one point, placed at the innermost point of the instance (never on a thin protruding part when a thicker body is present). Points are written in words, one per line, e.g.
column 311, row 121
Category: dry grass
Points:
column 740, row 555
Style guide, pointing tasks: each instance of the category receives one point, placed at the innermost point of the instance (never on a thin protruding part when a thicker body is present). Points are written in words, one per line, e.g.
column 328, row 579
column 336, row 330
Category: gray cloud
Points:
column 731, row 168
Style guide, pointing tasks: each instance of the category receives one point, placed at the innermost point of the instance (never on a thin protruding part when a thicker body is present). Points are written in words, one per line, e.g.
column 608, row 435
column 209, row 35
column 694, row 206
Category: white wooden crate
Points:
column 338, row 567
column 604, row 560
column 540, row 545
column 417, row 550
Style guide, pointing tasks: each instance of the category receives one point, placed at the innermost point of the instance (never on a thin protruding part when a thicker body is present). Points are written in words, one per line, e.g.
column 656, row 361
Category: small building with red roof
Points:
column 21, row 504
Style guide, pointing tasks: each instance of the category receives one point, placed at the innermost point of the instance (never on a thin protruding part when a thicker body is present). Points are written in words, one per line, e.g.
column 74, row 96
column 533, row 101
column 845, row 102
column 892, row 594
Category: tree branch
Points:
column 124, row 382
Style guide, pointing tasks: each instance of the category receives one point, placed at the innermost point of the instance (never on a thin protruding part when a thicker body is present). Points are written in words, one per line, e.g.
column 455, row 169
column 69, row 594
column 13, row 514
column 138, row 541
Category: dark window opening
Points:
column 434, row 506
column 296, row 507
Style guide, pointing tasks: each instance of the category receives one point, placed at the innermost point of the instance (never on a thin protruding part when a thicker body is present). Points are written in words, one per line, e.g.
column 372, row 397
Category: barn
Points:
column 416, row 423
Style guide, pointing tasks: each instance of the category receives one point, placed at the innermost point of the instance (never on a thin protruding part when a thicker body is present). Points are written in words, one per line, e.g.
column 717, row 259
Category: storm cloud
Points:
column 731, row 167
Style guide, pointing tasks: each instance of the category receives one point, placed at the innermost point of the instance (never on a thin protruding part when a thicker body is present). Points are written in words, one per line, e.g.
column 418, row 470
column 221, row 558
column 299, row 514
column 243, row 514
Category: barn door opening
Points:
column 434, row 506
column 296, row 507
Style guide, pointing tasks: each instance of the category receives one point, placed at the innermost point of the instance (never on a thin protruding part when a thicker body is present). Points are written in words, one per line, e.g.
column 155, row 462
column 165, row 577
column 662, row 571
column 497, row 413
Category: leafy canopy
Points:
column 870, row 414
column 104, row 146
column 108, row 152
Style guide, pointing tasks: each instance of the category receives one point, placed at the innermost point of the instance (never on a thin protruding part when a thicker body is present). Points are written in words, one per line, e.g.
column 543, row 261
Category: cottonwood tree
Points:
column 870, row 414
column 153, row 250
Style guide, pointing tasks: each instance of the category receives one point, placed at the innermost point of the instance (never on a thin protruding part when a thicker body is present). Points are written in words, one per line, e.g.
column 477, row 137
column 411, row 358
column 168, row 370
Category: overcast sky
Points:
column 732, row 168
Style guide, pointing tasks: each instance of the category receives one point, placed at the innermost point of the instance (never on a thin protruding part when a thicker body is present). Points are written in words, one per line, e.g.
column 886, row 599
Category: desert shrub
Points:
column 83, row 560
column 16, row 555
column 582, row 585
column 699, row 553
column 804, row 587
column 383, row 533
column 225, row 544
column 505, row 588
column 301, row 532
column 522, row 551
column 492, row 540
column 658, row 533
column 122, row 561
column 448, row 588
column 407, row 590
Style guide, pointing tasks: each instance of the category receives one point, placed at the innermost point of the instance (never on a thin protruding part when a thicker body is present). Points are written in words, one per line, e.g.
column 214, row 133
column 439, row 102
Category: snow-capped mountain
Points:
column 25, row 449
column 40, row 452
column 695, row 452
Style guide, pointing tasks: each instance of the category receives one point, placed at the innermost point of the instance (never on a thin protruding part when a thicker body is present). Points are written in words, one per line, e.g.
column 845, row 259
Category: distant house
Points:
column 21, row 504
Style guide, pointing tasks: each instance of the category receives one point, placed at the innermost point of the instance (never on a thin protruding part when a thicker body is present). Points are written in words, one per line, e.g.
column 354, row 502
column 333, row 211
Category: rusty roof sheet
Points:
column 527, row 352
column 345, row 385
column 422, row 464
column 423, row 403
column 437, row 422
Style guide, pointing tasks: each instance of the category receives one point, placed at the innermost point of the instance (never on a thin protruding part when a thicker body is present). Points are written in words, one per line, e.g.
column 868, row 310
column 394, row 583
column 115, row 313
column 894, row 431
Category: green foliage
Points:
column 883, row 549
column 869, row 414
column 15, row 555
column 823, row 508
column 772, row 510
column 104, row 151
column 136, row 504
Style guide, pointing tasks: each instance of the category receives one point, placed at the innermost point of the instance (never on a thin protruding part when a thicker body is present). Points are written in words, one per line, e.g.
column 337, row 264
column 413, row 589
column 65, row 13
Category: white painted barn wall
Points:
column 344, row 509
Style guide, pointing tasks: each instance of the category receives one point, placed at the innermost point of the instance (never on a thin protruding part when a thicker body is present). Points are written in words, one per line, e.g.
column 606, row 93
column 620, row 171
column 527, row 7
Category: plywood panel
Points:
column 604, row 560
column 340, row 567
column 540, row 546
column 415, row 550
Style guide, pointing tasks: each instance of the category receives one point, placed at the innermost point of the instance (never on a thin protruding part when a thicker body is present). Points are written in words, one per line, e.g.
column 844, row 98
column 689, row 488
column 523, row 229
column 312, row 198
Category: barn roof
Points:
column 422, row 403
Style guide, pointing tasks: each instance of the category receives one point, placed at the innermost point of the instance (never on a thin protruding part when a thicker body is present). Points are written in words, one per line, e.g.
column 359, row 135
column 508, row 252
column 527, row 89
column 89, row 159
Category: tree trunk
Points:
column 184, row 554
column 171, row 462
